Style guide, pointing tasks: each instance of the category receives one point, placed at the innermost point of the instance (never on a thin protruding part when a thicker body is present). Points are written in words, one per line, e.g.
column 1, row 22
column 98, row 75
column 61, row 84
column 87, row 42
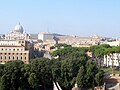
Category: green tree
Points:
column 13, row 77
column 99, row 77
column 40, row 74
column 80, row 79
column 56, row 70
column 62, row 45
column 1, row 73
column 91, row 70
column 65, row 52
column 99, row 51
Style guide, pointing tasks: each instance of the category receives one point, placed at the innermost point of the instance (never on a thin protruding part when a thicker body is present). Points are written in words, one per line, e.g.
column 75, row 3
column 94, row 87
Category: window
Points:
column 13, row 49
column 13, row 58
column 1, row 57
column 9, row 53
column 17, row 49
column 5, row 53
column 9, row 57
column 17, row 58
column 2, row 49
column 25, row 58
column 21, row 58
column 5, row 57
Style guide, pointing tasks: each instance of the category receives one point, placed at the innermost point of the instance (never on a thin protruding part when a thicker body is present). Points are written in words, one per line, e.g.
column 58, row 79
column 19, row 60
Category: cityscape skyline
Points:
column 82, row 18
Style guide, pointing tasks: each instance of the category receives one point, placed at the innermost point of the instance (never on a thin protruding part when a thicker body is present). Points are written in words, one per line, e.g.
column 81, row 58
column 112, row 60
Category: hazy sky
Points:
column 74, row 17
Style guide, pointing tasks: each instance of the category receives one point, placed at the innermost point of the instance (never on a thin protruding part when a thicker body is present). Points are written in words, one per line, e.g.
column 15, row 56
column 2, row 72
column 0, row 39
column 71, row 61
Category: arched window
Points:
column 21, row 58
column 13, row 58
column 17, row 58
column 5, row 57
column 9, row 57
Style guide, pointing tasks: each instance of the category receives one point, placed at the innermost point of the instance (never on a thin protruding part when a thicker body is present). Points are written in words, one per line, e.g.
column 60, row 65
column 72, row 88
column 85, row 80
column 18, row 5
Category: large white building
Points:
column 114, row 43
column 17, row 34
column 112, row 59
column 45, row 36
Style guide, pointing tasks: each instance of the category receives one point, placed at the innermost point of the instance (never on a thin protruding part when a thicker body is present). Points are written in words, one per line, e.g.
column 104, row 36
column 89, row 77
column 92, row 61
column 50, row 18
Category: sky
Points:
column 68, row 17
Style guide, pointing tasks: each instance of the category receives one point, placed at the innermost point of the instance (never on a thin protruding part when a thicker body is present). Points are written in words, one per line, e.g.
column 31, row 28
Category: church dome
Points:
column 18, row 28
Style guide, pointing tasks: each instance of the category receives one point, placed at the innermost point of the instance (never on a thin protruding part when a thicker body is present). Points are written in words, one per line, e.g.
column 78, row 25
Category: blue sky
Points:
column 71, row 17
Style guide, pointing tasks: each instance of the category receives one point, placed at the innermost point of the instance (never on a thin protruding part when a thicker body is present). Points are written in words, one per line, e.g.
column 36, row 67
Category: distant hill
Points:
column 56, row 34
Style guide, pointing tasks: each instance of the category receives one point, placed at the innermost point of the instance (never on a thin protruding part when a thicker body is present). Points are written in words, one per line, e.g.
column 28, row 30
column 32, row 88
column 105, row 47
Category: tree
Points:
column 99, row 51
column 62, row 45
column 91, row 70
column 40, row 74
column 1, row 73
column 80, row 79
column 33, row 81
column 56, row 70
column 13, row 77
column 65, row 52
column 99, row 77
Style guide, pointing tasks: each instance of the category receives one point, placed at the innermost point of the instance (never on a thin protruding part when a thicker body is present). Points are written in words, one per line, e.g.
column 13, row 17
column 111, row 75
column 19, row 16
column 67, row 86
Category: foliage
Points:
column 62, row 45
column 40, row 73
column 12, row 76
column 99, row 77
column 100, row 50
column 89, row 75
column 73, row 66
column 65, row 52
column 19, row 76
column 80, row 80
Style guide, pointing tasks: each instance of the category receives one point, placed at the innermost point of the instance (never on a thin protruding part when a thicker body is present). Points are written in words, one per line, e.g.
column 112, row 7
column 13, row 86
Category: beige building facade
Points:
column 11, row 50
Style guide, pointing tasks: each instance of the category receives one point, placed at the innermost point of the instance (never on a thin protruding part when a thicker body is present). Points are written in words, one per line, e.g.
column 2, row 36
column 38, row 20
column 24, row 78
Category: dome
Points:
column 18, row 28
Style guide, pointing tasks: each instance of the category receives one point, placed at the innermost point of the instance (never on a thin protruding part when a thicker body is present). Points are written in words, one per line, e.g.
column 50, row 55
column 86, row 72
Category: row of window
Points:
column 112, row 62
column 12, row 58
column 13, row 53
column 11, row 49
column 21, row 41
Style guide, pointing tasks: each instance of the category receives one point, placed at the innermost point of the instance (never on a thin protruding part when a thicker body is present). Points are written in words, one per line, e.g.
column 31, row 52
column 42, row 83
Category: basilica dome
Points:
column 18, row 28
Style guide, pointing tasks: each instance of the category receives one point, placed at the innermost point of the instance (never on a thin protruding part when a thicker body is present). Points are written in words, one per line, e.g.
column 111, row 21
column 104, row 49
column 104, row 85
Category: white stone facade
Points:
column 114, row 43
column 45, row 36
column 112, row 59
column 17, row 34
column 11, row 42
